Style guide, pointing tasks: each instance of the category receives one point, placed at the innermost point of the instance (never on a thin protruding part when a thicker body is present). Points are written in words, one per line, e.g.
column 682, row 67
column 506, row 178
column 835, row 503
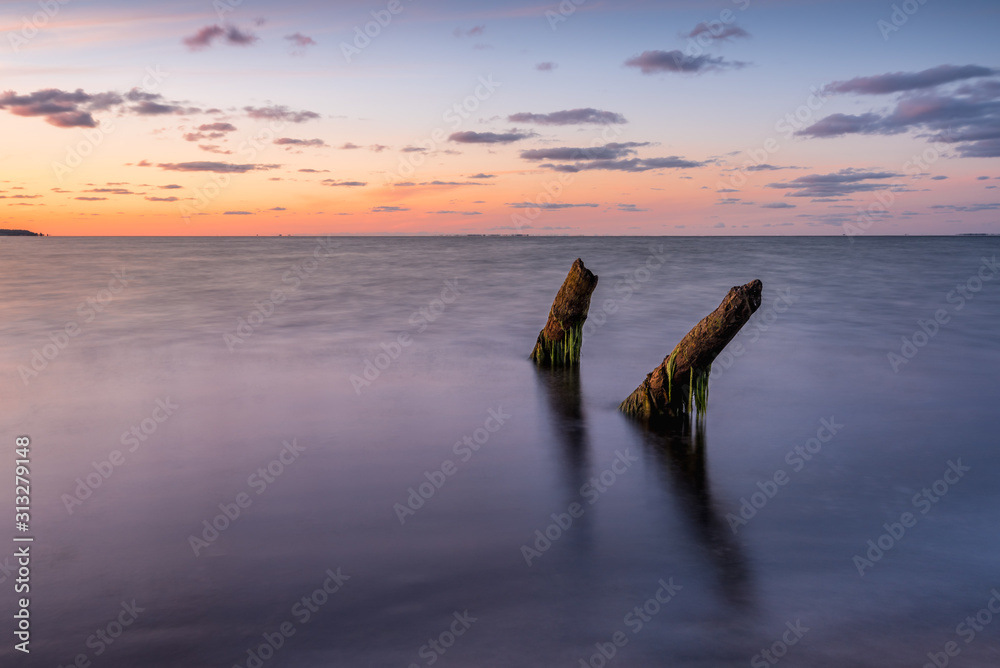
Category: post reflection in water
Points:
column 569, row 428
column 680, row 450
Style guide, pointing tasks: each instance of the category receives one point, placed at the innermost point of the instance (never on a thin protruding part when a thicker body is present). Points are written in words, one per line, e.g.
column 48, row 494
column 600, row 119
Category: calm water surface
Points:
column 193, row 380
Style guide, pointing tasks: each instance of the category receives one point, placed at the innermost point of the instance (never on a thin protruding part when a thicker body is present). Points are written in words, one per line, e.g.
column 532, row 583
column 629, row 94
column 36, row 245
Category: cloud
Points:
column 65, row 109
column 210, row 131
column 288, row 141
column 777, row 205
column 229, row 34
column 968, row 116
column 632, row 165
column 717, row 31
column 896, row 82
column 72, row 109
column 348, row 146
column 569, row 117
column 170, row 186
column 986, row 206
column 845, row 182
column 238, row 213
column 939, row 177
column 480, row 175
column 388, row 209
column 547, row 206
column 280, row 113
column 332, row 182
column 214, row 148
column 765, row 167
column 377, row 148
column 654, row 62
column 204, row 37
column 835, row 125
column 441, row 183
column 470, row 137
column 611, row 151
column 162, row 199
column 314, row 171
column 277, row 208
column 460, row 213
column 413, row 149
column 300, row 41
column 217, row 127
column 218, row 167
column 630, row 208
column 90, row 199
column 113, row 191
column 150, row 108
column 985, row 148
column 474, row 31
column 546, row 66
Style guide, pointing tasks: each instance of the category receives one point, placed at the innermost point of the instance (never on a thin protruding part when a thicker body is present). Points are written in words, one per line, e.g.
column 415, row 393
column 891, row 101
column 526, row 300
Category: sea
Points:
column 334, row 451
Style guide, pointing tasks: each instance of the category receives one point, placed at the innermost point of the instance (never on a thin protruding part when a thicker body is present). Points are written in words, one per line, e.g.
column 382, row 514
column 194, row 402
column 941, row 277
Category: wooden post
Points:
column 680, row 383
column 559, row 341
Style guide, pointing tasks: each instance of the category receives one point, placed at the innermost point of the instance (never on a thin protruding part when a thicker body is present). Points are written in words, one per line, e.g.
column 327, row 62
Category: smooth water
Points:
column 663, row 507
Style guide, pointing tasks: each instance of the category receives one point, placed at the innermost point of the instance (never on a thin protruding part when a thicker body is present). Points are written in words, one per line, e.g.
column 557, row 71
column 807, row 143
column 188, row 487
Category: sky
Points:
column 583, row 117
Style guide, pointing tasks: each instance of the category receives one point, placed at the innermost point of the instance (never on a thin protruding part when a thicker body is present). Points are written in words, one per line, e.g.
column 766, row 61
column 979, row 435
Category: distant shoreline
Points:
column 27, row 233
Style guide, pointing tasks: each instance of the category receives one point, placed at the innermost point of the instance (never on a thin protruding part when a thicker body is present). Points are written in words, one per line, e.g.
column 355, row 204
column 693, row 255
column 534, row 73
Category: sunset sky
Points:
column 585, row 117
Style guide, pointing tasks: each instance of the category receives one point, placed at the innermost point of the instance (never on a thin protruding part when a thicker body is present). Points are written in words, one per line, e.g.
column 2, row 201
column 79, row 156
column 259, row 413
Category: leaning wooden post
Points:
column 680, row 383
column 559, row 341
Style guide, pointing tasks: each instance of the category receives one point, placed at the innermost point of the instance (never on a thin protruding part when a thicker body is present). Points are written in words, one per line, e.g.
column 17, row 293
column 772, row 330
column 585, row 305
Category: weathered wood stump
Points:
column 680, row 383
column 559, row 341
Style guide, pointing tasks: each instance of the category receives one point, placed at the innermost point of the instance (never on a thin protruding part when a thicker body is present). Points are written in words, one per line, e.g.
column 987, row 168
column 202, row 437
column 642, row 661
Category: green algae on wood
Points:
column 679, row 386
column 559, row 342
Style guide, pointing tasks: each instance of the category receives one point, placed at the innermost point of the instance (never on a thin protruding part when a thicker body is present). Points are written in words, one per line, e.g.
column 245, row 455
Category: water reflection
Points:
column 569, row 429
column 679, row 449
